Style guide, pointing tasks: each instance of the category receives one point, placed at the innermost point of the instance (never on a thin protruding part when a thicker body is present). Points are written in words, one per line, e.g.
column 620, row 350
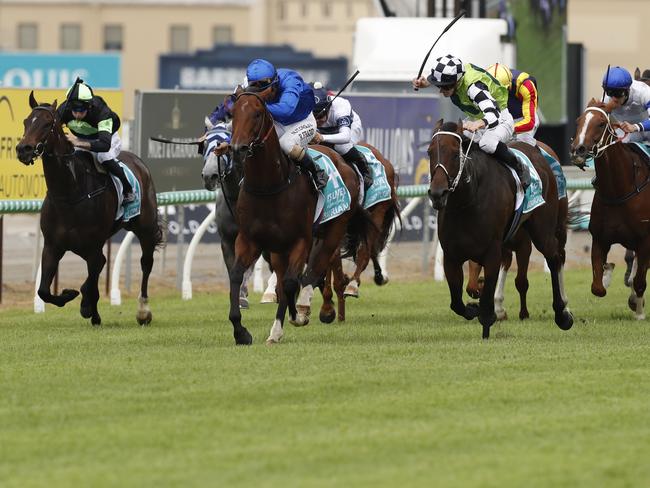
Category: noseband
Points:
column 462, row 157
column 258, row 141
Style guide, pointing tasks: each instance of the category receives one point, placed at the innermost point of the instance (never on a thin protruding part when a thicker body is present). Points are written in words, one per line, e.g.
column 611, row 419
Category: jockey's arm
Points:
column 288, row 101
column 343, row 136
column 528, row 94
column 480, row 95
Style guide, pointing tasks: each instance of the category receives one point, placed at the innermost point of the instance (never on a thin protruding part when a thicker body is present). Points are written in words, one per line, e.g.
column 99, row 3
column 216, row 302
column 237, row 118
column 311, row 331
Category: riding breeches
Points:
column 503, row 132
column 356, row 134
column 529, row 136
column 297, row 134
column 114, row 151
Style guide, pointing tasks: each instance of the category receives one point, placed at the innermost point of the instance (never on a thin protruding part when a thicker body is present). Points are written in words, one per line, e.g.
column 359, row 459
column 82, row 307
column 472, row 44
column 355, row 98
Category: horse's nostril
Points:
column 581, row 150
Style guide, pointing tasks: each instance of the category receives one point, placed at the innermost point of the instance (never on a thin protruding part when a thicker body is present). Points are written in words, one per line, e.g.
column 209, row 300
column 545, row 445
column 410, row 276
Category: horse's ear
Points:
column 459, row 128
column 54, row 105
column 436, row 127
column 637, row 73
column 32, row 101
column 239, row 90
column 592, row 102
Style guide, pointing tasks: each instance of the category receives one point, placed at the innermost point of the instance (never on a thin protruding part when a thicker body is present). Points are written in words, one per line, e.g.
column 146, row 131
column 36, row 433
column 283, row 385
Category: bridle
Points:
column 463, row 157
column 258, row 141
column 608, row 137
column 39, row 149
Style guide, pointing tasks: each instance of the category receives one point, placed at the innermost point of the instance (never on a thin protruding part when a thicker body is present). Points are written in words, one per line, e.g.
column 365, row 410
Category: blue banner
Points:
column 23, row 70
column 400, row 126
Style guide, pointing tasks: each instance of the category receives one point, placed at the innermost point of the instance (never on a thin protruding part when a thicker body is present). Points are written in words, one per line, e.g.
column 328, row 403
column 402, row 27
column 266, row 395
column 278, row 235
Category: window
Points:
column 70, row 37
column 179, row 39
column 112, row 38
column 222, row 34
column 27, row 36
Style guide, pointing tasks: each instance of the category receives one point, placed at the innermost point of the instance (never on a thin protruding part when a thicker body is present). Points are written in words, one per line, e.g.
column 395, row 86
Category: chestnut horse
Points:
column 475, row 199
column 275, row 212
column 621, row 204
column 521, row 245
column 78, row 212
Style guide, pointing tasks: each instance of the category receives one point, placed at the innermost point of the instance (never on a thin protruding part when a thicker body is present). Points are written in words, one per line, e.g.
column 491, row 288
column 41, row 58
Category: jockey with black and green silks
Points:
column 484, row 101
column 93, row 126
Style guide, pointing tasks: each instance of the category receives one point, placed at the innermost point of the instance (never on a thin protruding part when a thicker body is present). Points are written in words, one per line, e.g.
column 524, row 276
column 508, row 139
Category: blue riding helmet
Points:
column 617, row 79
column 321, row 98
column 260, row 69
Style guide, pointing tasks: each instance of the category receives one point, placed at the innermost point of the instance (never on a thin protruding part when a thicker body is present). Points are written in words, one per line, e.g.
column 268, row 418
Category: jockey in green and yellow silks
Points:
column 485, row 103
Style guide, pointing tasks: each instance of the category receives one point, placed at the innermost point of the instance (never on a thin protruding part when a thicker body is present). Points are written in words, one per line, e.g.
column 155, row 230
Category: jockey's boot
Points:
column 127, row 190
column 319, row 175
column 354, row 156
column 503, row 153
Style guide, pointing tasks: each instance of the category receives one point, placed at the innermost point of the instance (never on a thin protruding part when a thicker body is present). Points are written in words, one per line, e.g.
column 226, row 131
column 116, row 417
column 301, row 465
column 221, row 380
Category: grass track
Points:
column 404, row 394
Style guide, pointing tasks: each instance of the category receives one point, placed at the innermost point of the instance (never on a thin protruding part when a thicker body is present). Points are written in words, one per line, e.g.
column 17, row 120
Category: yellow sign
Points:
column 17, row 181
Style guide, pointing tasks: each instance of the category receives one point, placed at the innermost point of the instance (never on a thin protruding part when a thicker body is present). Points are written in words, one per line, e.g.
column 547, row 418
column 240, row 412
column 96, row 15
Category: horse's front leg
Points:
column 339, row 280
column 147, row 246
column 327, row 312
column 599, row 252
column 279, row 262
column 300, row 309
column 473, row 287
column 639, row 282
column 246, row 252
column 50, row 258
column 521, row 280
column 491, row 267
column 454, row 275
column 90, row 289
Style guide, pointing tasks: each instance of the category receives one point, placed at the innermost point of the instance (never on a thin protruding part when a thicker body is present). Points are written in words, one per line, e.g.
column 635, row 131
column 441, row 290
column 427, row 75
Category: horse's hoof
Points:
column 631, row 302
column 327, row 317
column 381, row 280
column 473, row 293
column 243, row 337
column 486, row 332
column 269, row 298
column 502, row 315
column 599, row 291
column 351, row 290
column 243, row 303
column 144, row 318
column 300, row 320
column 271, row 342
column 96, row 320
column 65, row 296
column 471, row 311
column 523, row 315
column 565, row 320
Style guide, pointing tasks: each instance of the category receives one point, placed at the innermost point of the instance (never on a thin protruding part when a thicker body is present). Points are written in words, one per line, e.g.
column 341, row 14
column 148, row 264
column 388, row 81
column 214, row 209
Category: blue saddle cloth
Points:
column 336, row 196
column 127, row 211
column 556, row 167
column 380, row 189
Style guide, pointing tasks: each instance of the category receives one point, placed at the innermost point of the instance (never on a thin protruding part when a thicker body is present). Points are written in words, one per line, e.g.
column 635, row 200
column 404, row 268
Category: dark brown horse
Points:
column 78, row 212
column 275, row 212
column 522, row 246
column 621, row 204
column 475, row 199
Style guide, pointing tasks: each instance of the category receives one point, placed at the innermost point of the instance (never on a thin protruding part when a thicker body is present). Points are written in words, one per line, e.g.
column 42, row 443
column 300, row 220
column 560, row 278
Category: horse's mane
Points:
column 453, row 127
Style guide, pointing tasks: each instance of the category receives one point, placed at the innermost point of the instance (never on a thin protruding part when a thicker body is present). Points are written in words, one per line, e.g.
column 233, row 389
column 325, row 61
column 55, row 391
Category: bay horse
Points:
column 78, row 212
column 521, row 245
column 475, row 199
column 275, row 212
column 621, row 205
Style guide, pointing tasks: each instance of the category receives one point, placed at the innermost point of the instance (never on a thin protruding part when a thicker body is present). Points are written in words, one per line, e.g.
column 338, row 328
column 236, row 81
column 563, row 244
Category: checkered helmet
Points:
column 447, row 71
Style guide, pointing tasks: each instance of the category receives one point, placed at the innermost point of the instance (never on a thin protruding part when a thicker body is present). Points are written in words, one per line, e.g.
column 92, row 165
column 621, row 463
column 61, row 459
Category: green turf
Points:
column 404, row 394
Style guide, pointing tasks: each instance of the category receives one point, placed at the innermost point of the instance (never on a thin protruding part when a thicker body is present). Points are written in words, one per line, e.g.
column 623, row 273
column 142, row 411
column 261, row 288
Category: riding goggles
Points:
column 616, row 92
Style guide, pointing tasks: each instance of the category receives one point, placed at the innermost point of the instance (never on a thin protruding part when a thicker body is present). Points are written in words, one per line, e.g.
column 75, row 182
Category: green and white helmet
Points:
column 79, row 95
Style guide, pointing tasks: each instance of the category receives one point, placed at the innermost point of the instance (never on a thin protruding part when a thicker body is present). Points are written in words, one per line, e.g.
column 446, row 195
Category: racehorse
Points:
column 275, row 212
column 619, row 211
column 475, row 199
column 521, row 245
column 645, row 77
column 78, row 212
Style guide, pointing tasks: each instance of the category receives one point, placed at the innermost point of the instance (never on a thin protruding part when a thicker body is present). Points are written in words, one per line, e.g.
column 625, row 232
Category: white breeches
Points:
column 113, row 152
column 503, row 132
column 297, row 134
column 356, row 130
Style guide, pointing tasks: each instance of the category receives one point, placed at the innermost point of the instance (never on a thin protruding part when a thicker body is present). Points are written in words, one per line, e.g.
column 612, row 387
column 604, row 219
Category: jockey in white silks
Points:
column 632, row 103
column 340, row 127
column 291, row 103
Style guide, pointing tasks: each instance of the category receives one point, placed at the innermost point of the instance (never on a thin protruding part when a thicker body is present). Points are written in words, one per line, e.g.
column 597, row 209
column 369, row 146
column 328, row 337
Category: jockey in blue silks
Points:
column 290, row 103
column 631, row 103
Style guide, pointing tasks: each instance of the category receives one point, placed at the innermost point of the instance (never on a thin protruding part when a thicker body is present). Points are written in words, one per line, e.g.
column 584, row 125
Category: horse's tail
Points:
column 159, row 237
column 387, row 225
column 357, row 232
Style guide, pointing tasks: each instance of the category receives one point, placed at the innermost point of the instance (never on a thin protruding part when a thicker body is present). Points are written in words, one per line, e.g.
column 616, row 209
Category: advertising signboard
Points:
column 17, row 181
column 25, row 70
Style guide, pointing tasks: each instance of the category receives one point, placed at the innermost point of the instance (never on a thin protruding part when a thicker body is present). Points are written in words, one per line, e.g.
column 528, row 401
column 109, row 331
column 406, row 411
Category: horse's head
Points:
column 39, row 128
column 251, row 125
column 594, row 133
column 446, row 161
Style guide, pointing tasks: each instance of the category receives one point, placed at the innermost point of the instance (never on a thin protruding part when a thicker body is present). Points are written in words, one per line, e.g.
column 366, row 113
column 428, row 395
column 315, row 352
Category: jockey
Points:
column 291, row 103
column 93, row 126
column 522, row 100
column 341, row 127
column 631, row 101
column 484, row 100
